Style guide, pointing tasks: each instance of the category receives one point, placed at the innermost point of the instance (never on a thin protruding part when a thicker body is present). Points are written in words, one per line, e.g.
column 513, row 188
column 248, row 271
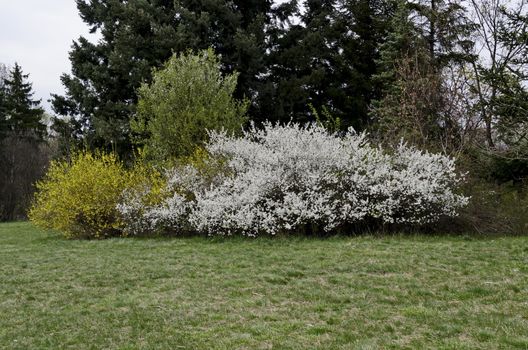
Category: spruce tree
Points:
column 425, row 38
column 3, row 114
column 446, row 27
column 406, row 108
column 367, row 23
column 301, row 61
column 22, row 114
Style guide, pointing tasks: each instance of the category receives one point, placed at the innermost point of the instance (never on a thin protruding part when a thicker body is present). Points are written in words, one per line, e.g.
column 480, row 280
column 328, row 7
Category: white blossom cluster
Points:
column 281, row 177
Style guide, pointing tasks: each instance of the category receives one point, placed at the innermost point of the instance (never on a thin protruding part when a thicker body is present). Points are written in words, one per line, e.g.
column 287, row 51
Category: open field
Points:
column 285, row 293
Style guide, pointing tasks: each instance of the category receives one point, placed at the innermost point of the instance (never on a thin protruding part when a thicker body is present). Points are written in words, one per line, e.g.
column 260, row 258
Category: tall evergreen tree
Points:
column 23, row 156
column 409, row 99
column 447, row 28
column 22, row 114
column 425, row 38
column 368, row 23
column 138, row 35
column 402, row 40
column 326, row 59
column 3, row 114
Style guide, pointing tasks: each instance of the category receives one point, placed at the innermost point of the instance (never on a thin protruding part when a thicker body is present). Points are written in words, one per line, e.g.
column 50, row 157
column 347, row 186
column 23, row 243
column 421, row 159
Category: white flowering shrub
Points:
column 280, row 178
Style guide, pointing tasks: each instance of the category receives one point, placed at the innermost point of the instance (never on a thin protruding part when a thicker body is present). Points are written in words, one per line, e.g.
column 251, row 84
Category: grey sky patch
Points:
column 38, row 35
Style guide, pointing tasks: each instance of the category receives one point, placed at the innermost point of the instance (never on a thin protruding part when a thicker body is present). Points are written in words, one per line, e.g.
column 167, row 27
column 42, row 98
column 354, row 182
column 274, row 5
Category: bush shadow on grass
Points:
column 460, row 227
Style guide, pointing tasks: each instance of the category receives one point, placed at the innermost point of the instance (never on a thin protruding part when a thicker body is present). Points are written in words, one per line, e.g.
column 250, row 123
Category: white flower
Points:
column 282, row 177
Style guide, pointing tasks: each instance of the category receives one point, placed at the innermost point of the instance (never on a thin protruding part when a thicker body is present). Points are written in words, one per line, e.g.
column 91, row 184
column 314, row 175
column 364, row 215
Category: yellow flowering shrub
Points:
column 79, row 198
column 208, row 166
column 146, row 176
column 147, row 189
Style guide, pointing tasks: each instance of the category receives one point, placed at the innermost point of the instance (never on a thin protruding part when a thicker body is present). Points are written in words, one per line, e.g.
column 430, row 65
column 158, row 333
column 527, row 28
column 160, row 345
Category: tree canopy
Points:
column 399, row 68
column 187, row 98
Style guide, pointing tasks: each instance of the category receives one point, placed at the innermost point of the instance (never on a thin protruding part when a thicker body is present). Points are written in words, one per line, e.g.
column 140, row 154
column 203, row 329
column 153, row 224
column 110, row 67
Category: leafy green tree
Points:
column 22, row 114
column 187, row 97
column 139, row 35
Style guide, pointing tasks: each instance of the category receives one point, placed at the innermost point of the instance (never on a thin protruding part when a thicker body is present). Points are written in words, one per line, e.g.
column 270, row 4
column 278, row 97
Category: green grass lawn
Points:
column 285, row 293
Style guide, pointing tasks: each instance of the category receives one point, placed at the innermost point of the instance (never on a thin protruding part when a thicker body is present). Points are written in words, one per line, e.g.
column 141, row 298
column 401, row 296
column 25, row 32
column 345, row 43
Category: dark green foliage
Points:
column 367, row 24
column 507, row 166
column 135, row 36
column 446, row 27
column 401, row 41
column 186, row 98
column 20, row 115
column 326, row 59
column 236, row 31
column 23, row 154
column 376, row 65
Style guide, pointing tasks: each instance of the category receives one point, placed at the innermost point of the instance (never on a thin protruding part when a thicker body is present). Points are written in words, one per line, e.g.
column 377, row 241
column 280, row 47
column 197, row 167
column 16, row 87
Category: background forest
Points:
column 445, row 76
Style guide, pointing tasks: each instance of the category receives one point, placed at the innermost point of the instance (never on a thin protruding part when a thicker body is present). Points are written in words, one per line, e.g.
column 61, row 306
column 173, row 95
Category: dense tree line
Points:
column 23, row 153
column 288, row 56
column 374, row 64
column 443, row 75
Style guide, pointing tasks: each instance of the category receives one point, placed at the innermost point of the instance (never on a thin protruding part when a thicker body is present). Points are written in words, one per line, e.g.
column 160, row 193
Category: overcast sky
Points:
column 38, row 35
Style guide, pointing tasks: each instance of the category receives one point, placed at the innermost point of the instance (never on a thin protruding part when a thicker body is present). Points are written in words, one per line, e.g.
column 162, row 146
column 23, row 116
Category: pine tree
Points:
column 23, row 115
column 3, row 114
column 447, row 28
